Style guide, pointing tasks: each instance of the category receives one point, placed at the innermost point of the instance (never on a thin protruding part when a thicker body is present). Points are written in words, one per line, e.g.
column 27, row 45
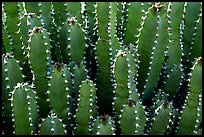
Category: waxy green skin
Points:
column 85, row 107
column 39, row 60
column 190, row 108
column 23, row 100
column 59, row 94
column 11, row 75
column 52, row 125
column 72, row 67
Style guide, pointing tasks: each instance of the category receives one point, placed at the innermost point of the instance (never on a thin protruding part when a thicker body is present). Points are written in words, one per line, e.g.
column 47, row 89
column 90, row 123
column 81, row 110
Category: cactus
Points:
column 101, row 68
column 24, row 100
column 192, row 101
column 52, row 125
column 11, row 75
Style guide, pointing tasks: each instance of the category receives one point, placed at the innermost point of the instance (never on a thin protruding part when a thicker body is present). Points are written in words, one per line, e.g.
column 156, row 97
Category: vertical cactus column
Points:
column 192, row 14
column 134, row 20
column 157, row 55
column 52, row 125
column 90, row 30
column 39, row 59
column 128, row 116
column 86, row 108
column 145, row 46
column 13, row 27
column 11, row 75
column 105, row 126
column 173, row 69
column 121, row 86
column 103, row 81
column 132, row 112
column 160, row 120
column 59, row 93
column 190, row 112
column 24, row 100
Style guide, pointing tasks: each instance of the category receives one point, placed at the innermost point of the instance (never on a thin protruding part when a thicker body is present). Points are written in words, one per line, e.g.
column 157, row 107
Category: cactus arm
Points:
column 174, row 51
column 39, row 60
column 14, row 29
column 24, row 31
column 133, row 24
column 68, row 78
column 12, row 21
column 103, row 83
column 145, row 47
column 90, row 10
column 103, row 19
column 128, row 116
column 95, row 125
column 199, row 116
column 79, row 76
column 189, row 112
column 193, row 9
column 23, row 100
column 121, row 76
column 77, row 43
column 64, row 34
column 190, row 108
column 161, row 121
column 173, row 82
column 20, row 105
column 33, row 109
column 11, row 75
column 52, row 125
column 84, row 107
column 125, row 7
column 112, row 16
column 157, row 57
column 91, row 37
column 196, row 77
column 132, row 62
column 114, row 40
column 197, row 47
column 141, row 121
column 58, row 92
column 119, row 19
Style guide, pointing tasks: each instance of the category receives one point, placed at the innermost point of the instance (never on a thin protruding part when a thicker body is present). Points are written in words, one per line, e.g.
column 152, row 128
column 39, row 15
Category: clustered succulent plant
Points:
column 101, row 68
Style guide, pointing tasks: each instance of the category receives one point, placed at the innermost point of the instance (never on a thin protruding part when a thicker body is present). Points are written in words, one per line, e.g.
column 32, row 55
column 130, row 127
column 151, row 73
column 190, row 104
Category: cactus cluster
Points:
column 101, row 68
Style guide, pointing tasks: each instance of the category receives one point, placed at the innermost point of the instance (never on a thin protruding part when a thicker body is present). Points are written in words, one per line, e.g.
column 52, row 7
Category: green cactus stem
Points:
column 103, row 83
column 24, row 100
column 59, row 93
column 39, row 59
column 105, row 126
column 145, row 47
column 189, row 113
column 11, row 75
column 85, row 107
column 77, row 41
column 52, row 125
column 161, row 120
column 157, row 58
column 121, row 77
